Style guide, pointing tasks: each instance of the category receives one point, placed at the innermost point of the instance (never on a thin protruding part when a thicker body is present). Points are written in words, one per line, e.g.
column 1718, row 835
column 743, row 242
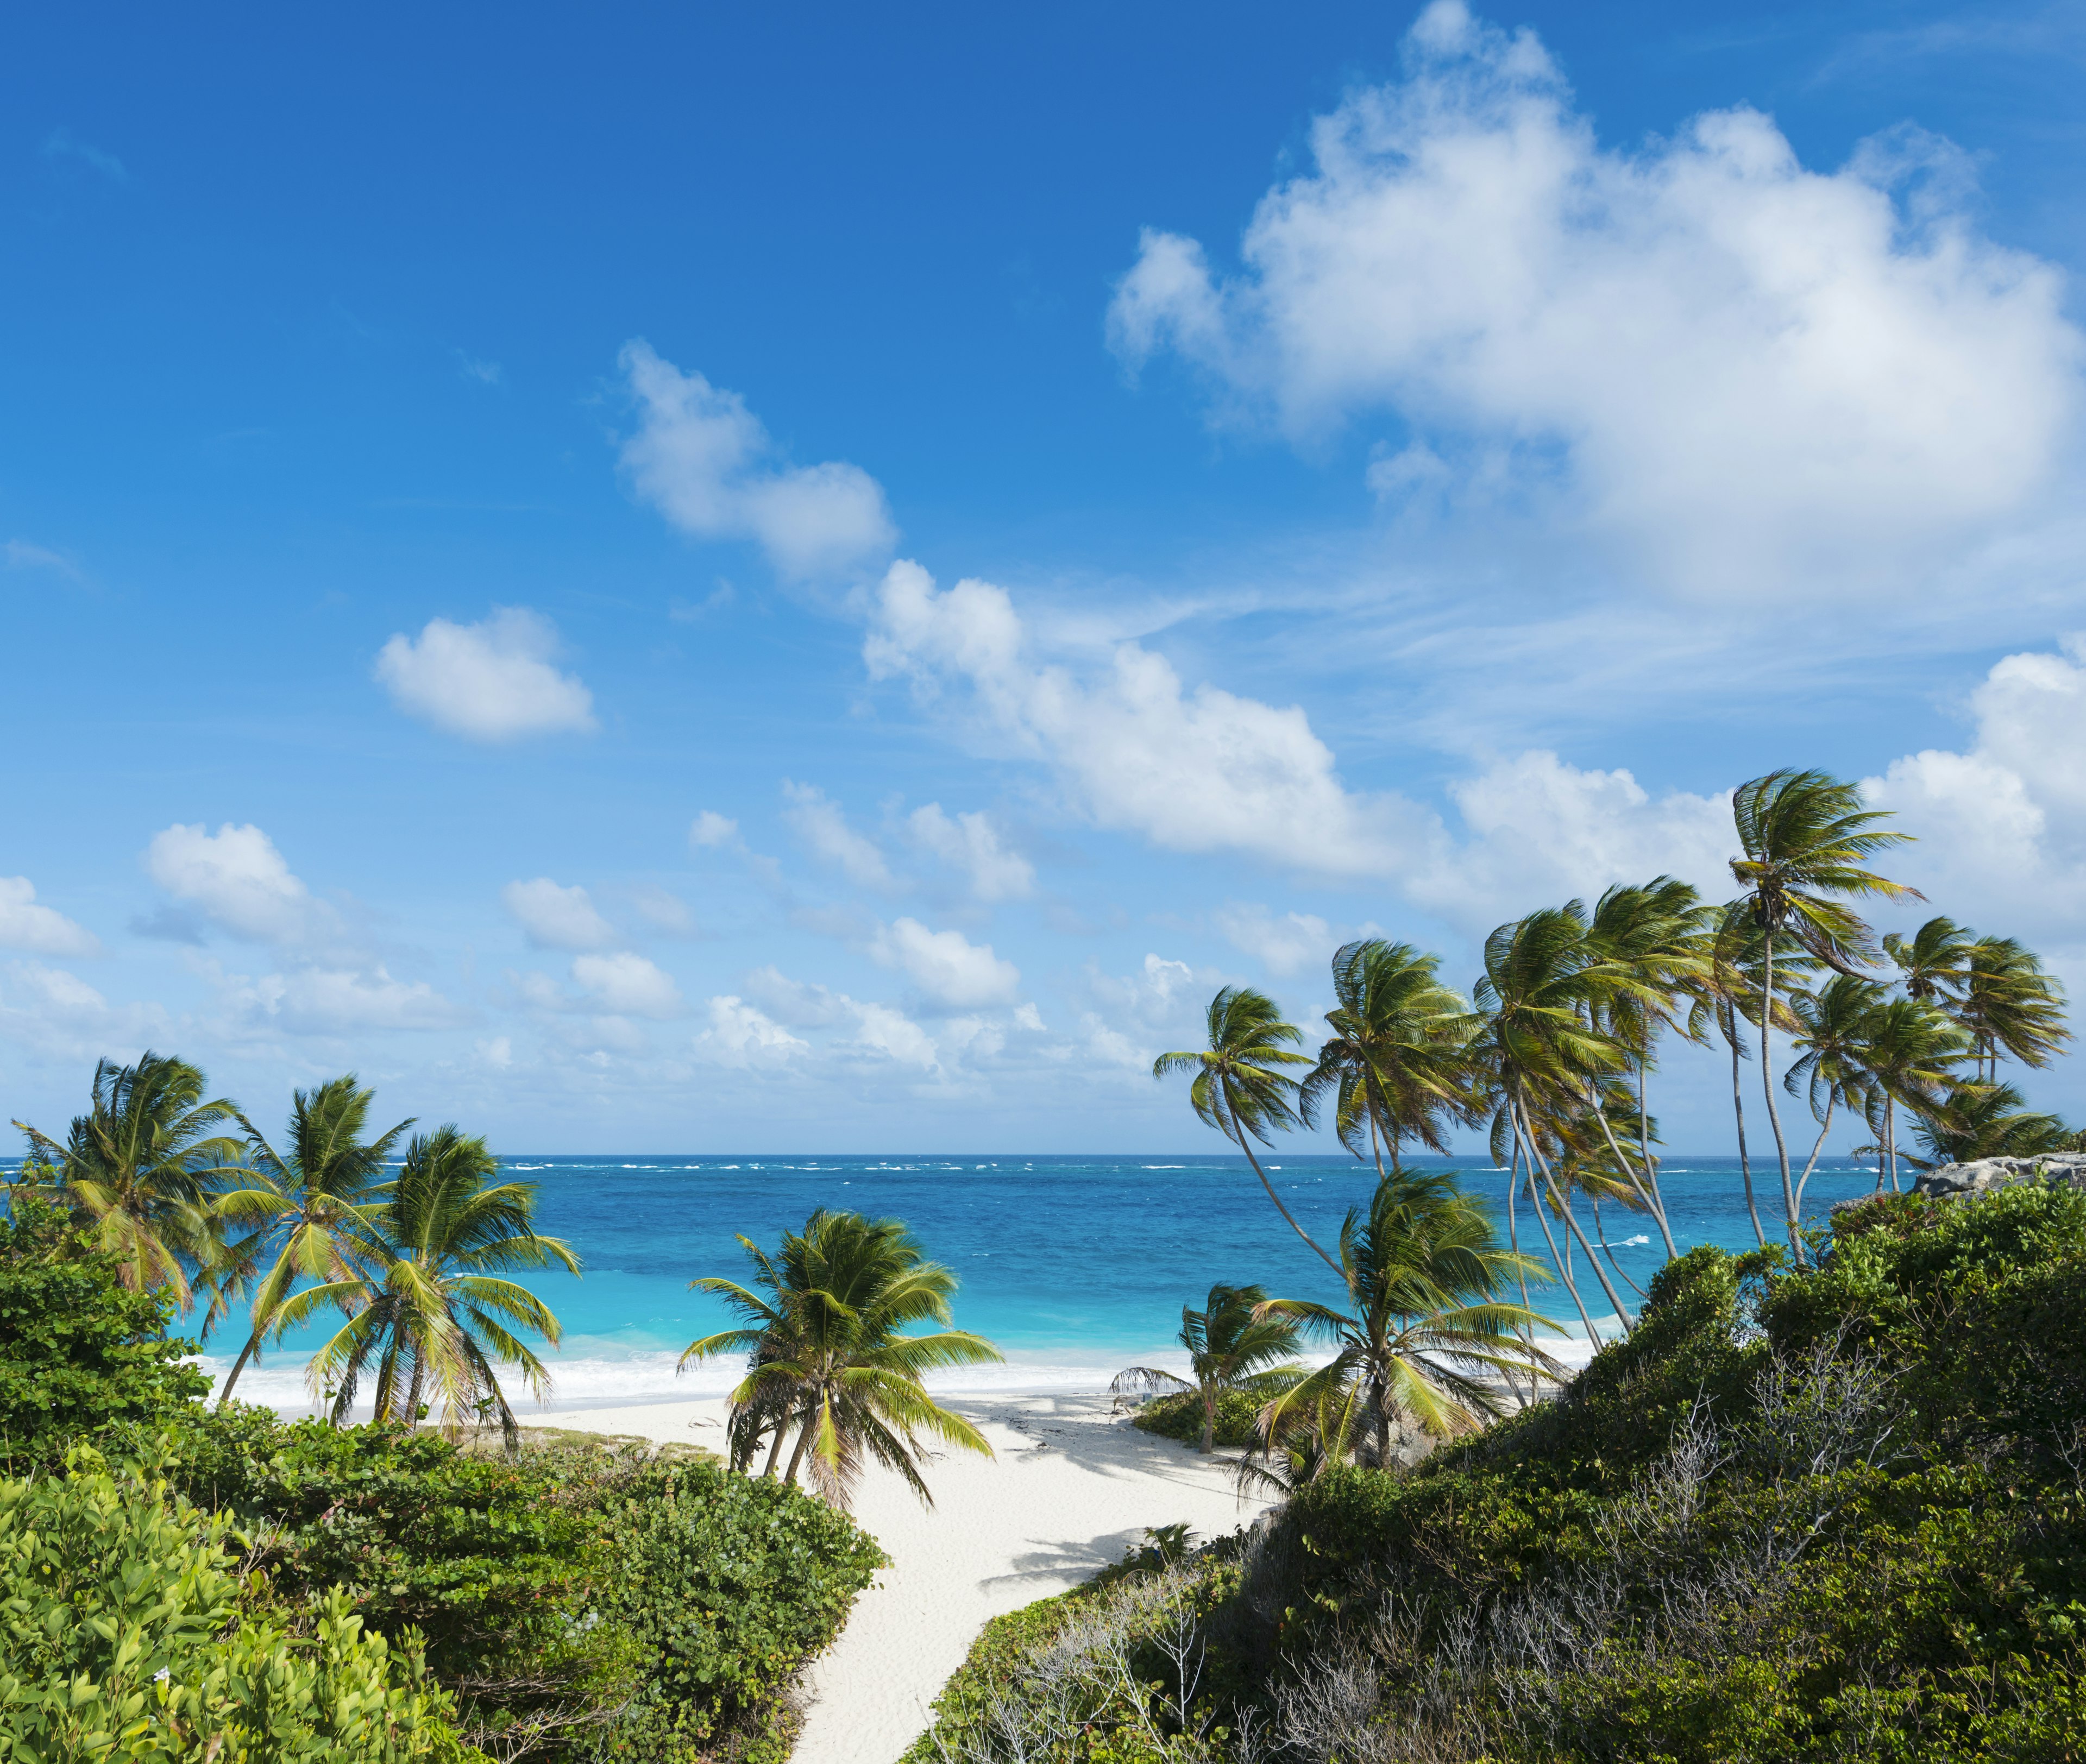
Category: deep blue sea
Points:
column 1076, row 1266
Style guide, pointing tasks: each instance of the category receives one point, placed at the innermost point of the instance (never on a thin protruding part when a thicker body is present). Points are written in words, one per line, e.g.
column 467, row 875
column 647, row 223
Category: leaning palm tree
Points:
column 1806, row 838
column 1911, row 1050
column 1231, row 1347
column 1426, row 1332
column 1242, row 1088
column 1395, row 1062
column 1933, row 963
column 1985, row 1121
column 140, row 1169
column 1835, row 1045
column 430, row 1318
column 2009, row 1004
column 309, row 1204
column 822, row 1328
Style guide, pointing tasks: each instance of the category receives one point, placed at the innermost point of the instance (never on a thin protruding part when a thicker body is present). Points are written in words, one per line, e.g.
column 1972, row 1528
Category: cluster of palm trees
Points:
column 189, row 1196
column 831, row 1375
column 1428, row 1338
column 1554, row 1050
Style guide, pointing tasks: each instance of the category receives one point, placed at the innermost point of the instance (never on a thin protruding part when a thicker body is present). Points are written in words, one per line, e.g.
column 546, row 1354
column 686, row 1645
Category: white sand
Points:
column 1069, row 1489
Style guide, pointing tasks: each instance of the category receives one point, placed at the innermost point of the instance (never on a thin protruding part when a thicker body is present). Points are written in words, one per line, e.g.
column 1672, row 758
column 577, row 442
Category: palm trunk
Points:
column 1730, row 1029
column 803, row 1444
column 1209, row 1421
column 1890, row 1137
column 252, row 1350
column 1767, row 1087
column 1284, row 1211
column 775, row 1448
column 1601, row 1237
column 1825, row 1127
column 413, row 1392
column 1650, row 1198
column 1572, row 1224
column 1521, row 1136
column 1513, row 1243
column 1646, row 1162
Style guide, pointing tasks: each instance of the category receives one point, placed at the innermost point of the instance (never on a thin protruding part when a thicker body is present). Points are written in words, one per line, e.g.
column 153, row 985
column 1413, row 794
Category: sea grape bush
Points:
column 1829, row 1513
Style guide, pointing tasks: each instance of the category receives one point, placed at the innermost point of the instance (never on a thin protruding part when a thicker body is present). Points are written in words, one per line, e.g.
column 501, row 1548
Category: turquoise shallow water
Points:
column 1075, row 1266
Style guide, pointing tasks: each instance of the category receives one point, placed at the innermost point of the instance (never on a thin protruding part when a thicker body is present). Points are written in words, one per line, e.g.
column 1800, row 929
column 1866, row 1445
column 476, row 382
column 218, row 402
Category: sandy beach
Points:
column 1069, row 1488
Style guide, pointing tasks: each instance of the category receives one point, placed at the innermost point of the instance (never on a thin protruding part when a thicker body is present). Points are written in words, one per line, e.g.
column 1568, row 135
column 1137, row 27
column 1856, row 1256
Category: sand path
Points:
column 1069, row 1489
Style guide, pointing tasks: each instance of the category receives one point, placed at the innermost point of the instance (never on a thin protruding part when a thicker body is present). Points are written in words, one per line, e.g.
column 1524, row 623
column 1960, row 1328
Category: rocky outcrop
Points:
column 1985, row 1173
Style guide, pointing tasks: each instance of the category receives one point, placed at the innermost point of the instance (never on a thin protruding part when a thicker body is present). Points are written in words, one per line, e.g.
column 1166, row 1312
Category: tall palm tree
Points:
column 309, row 1201
column 1395, row 1061
column 1910, row 1050
column 1651, row 933
column 1241, row 1086
column 1726, row 990
column 1834, row 1041
column 1985, row 1121
column 1231, row 1347
column 140, row 1167
column 823, row 1330
column 429, row 1317
column 1541, row 1052
column 1933, row 963
column 2010, row 1005
column 1806, row 838
column 1426, row 1326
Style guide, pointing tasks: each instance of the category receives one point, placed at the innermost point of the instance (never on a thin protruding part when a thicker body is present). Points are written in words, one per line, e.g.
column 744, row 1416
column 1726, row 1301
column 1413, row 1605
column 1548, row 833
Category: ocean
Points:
column 1076, row 1266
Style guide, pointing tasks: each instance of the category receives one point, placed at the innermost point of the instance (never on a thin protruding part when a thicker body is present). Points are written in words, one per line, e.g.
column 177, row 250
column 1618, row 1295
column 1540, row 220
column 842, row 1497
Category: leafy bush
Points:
column 126, row 1633
column 1180, row 1417
column 1797, row 1514
column 78, row 1350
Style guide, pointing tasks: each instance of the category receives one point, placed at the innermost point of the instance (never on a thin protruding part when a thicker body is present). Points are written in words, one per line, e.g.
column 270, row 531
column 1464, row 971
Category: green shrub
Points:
column 1180, row 1417
column 78, row 1350
column 126, row 1633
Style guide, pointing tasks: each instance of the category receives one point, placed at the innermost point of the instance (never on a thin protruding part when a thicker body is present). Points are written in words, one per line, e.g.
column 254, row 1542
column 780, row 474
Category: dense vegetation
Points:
column 1830, row 1512
column 182, row 1583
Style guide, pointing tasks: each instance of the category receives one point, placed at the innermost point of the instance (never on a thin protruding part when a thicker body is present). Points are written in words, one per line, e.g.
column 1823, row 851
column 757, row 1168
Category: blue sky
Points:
column 708, row 579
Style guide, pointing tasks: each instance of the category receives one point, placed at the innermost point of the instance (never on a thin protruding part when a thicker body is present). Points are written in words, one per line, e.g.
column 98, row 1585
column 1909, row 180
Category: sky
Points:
column 703, row 579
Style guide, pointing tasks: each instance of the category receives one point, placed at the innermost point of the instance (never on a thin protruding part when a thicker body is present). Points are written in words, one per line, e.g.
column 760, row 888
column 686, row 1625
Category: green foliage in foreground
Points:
column 1180, row 1417
column 126, row 1633
column 1835, row 1513
column 78, row 1351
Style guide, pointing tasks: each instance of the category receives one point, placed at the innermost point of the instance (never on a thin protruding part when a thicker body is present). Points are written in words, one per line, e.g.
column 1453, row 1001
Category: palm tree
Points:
column 821, row 1331
column 1395, row 1061
column 1933, row 963
column 1305, row 1440
column 1910, row 1048
column 1651, row 934
column 1240, row 1088
column 1230, row 1348
column 1985, row 1121
column 1806, row 836
column 310, row 1200
column 1541, row 1053
column 1834, row 1040
column 1426, row 1325
column 428, row 1317
column 2010, row 1004
column 139, row 1166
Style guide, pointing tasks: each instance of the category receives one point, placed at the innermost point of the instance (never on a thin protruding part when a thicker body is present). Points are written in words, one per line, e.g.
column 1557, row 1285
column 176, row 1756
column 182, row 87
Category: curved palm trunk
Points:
column 1767, row 1088
column 1825, row 1127
column 413, row 1392
column 1284, row 1211
column 1564, row 1272
column 1890, row 1137
column 1650, row 1163
column 1729, row 1027
column 803, row 1445
column 1648, row 1195
column 1572, row 1224
column 1601, row 1237
column 251, row 1351
column 775, row 1449
column 1513, row 1243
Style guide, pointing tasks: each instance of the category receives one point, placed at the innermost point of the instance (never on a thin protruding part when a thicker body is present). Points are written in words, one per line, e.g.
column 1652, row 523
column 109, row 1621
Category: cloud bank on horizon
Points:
column 1585, row 393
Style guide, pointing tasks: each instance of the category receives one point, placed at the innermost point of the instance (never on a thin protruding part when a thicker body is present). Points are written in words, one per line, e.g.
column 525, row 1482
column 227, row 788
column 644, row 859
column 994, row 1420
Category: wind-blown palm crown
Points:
column 1910, row 1051
column 140, row 1167
column 1242, row 1085
column 309, row 1200
column 1985, row 1121
column 2010, row 1004
column 429, row 1319
column 1834, row 1031
column 1426, row 1326
column 1933, row 963
column 1231, row 1347
column 822, row 1330
column 1395, row 1061
column 1806, row 840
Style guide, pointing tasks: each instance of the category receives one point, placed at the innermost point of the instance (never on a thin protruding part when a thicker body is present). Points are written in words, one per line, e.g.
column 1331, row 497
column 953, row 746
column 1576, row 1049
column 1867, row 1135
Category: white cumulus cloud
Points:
column 973, row 846
column 555, row 918
column 1758, row 376
column 627, row 984
column 1283, row 945
column 237, row 879
column 25, row 924
column 706, row 462
column 946, row 965
column 742, row 1036
column 819, row 822
column 492, row 682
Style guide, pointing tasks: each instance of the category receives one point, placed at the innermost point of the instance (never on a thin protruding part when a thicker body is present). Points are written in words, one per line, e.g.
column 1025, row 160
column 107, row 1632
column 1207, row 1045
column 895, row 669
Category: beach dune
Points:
column 1069, row 1488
